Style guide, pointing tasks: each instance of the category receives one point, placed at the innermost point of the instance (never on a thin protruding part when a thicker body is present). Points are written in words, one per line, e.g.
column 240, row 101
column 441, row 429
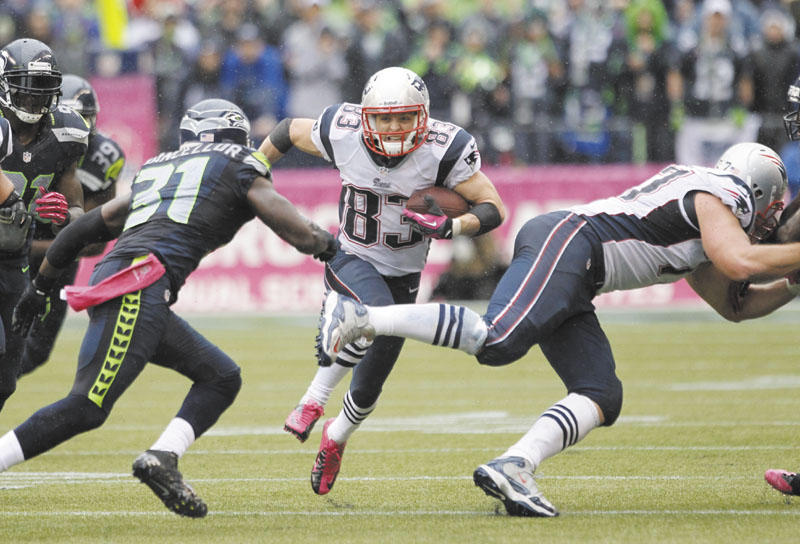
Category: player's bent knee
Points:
column 499, row 354
column 610, row 402
column 229, row 386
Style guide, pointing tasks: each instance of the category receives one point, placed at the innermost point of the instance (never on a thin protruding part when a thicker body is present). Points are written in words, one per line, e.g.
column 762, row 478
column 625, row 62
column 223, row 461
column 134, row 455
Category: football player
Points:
column 385, row 149
column 98, row 171
column 783, row 480
column 183, row 205
column 49, row 141
column 684, row 222
column 14, row 217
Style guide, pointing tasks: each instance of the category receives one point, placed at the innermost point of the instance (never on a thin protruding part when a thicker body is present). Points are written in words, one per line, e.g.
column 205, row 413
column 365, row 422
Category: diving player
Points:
column 98, row 171
column 49, row 141
column 385, row 149
column 684, row 222
column 183, row 205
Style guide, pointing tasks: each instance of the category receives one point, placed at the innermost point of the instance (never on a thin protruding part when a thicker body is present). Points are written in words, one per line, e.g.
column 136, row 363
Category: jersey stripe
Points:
column 453, row 153
column 326, row 121
column 664, row 226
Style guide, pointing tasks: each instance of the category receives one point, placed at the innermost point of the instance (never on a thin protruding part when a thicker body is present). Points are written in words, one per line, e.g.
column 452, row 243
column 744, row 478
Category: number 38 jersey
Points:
column 650, row 232
column 187, row 203
column 371, row 224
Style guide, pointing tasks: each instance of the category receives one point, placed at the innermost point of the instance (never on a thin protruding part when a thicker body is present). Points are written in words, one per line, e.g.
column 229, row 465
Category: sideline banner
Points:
column 258, row 272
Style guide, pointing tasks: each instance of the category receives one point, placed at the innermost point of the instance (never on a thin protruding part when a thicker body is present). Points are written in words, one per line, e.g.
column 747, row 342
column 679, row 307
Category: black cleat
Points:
column 159, row 470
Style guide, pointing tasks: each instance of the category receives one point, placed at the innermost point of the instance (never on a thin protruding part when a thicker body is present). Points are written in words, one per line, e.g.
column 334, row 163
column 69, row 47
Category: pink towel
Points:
column 137, row 276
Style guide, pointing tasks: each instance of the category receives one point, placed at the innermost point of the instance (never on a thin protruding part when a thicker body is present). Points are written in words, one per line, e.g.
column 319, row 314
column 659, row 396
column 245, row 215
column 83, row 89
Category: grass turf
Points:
column 708, row 407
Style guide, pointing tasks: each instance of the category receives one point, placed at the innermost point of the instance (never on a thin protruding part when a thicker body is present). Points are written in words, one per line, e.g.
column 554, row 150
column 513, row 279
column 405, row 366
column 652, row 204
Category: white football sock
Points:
column 348, row 420
column 10, row 451
column 560, row 426
column 437, row 324
column 324, row 382
column 177, row 437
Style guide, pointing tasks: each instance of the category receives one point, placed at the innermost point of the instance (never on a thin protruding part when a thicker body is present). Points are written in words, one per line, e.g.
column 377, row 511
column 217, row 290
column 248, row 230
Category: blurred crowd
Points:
column 535, row 81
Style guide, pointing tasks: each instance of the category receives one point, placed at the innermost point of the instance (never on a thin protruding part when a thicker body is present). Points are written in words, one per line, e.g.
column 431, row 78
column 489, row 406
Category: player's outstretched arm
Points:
column 100, row 225
column 729, row 247
column 282, row 217
column 738, row 301
column 288, row 134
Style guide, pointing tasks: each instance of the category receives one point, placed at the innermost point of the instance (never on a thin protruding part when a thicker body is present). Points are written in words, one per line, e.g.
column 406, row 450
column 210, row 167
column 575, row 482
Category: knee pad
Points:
column 609, row 399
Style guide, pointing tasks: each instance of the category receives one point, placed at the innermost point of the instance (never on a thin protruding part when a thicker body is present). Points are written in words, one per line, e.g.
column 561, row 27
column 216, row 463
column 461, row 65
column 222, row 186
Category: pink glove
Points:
column 52, row 206
column 434, row 224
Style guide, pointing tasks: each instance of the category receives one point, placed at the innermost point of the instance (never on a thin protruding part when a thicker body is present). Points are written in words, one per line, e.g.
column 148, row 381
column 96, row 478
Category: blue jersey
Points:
column 187, row 203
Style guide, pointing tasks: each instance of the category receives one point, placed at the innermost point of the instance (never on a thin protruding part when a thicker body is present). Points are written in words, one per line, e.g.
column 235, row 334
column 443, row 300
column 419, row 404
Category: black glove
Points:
column 34, row 302
column 330, row 249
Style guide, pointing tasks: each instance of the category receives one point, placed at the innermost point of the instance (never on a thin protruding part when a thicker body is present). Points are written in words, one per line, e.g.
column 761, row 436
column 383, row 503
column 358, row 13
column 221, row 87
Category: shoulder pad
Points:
column 258, row 161
column 68, row 125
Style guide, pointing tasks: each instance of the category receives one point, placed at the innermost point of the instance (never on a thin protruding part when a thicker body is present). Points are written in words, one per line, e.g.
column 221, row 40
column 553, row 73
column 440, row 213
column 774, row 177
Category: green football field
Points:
column 708, row 407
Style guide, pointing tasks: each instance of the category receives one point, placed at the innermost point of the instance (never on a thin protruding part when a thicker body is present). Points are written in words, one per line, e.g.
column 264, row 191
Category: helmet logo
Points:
column 235, row 120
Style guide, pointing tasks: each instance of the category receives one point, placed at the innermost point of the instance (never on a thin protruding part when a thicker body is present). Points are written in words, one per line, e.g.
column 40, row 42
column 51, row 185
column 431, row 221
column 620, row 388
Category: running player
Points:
column 183, row 205
column 49, row 141
column 385, row 149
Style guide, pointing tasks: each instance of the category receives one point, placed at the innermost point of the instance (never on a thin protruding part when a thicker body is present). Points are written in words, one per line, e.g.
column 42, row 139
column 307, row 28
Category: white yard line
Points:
column 394, row 513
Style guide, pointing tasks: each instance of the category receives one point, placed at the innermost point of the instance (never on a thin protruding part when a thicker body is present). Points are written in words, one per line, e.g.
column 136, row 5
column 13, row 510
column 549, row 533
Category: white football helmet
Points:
column 394, row 90
column 764, row 172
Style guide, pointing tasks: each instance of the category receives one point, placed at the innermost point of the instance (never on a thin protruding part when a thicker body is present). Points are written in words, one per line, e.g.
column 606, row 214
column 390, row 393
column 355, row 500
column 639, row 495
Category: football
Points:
column 451, row 203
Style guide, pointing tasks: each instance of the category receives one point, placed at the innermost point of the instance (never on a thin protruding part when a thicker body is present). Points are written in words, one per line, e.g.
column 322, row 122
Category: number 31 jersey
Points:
column 371, row 224
column 189, row 202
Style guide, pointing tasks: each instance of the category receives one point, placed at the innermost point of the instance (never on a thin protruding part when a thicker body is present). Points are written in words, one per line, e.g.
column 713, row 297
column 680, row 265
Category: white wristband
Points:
column 793, row 288
column 456, row 227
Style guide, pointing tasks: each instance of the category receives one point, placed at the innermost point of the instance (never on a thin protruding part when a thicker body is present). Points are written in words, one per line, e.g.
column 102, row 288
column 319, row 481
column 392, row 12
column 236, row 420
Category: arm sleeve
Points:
column 88, row 229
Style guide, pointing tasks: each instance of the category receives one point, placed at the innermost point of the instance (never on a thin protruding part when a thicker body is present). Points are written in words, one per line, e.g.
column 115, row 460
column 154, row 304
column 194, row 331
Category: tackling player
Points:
column 385, row 149
column 98, row 171
column 684, row 222
column 49, row 140
column 183, row 205
column 783, row 480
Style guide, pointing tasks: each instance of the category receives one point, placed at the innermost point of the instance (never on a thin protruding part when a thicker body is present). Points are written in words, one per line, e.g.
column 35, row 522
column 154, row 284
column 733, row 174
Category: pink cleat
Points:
column 302, row 419
column 327, row 464
column 784, row 481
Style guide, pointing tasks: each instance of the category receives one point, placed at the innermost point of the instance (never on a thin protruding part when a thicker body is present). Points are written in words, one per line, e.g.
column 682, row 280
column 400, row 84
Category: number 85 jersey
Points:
column 375, row 190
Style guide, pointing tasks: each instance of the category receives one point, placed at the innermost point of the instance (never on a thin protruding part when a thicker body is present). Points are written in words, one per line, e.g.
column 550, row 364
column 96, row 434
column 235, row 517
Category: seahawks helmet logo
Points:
column 236, row 120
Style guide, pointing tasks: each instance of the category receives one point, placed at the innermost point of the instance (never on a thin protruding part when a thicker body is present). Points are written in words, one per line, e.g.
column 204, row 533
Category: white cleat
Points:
column 510, row 479
column 343, row 320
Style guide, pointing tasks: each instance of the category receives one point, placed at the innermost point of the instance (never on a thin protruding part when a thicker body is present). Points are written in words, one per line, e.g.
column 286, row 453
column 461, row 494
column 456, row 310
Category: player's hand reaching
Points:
column 53, row 206
column 330, row 250
column 34, row 303
column 434, row 224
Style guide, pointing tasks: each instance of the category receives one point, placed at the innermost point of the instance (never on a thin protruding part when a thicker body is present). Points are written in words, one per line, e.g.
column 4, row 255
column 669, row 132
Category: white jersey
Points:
column 6, row 143
column 371, row 224
column 650, row 232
